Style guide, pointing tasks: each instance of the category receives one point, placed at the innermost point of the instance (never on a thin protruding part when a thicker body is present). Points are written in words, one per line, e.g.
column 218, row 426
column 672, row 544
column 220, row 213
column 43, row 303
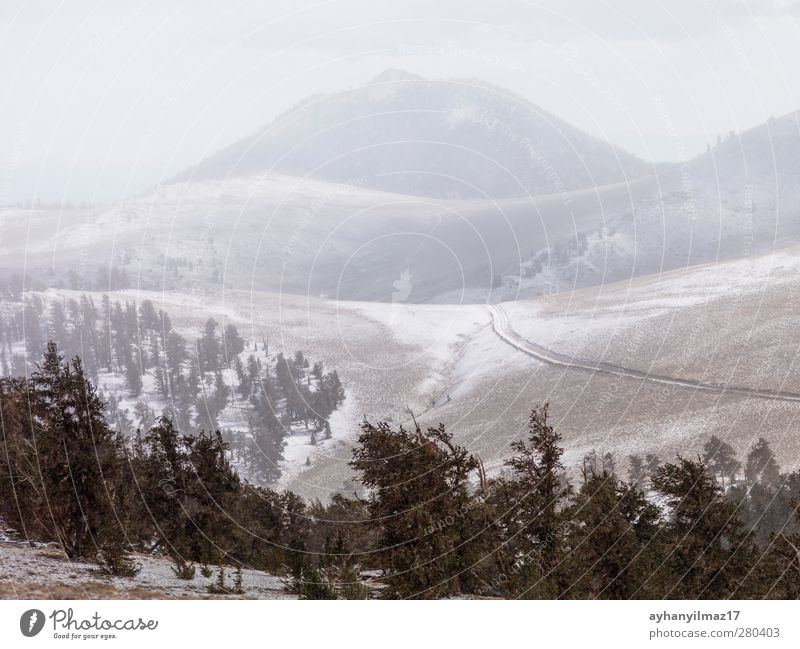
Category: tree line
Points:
column 429, row 520
column 15, row 285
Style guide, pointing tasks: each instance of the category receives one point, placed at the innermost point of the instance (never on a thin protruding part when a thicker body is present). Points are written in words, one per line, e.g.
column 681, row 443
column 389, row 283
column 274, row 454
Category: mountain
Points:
column 756, row 174
column 769, row 152
column 307, row 236
column 738, row 199
column 456, row 138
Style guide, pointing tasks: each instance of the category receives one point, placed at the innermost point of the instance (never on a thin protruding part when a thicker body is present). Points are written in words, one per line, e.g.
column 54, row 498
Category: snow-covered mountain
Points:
column 458, row 138
column 740, row 198
column 235, row 223
column 770, row 151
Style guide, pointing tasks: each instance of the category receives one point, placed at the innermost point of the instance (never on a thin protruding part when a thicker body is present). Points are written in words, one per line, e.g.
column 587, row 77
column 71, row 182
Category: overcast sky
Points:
column 101, row 98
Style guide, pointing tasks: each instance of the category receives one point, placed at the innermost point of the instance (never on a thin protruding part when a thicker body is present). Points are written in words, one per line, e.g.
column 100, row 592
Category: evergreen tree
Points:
column 636, row 471
column 209, row 352
column 710, row 552
column 610, row 542
column 539, row 493
column 761, row 466
column 721, row 460
column 420, row 496
column 233, row 343
column 268, row 440
column 76, row 466
column 133, row 370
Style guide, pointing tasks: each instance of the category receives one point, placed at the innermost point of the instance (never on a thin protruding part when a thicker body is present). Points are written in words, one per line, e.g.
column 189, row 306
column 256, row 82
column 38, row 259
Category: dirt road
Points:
column 501, row 324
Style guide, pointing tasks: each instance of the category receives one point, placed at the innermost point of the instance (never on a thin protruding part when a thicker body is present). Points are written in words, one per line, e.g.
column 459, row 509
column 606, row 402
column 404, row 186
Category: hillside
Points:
column 768, row 151
column 722, row 324
column 272, row 232
column 739, row 199
column 307, row 237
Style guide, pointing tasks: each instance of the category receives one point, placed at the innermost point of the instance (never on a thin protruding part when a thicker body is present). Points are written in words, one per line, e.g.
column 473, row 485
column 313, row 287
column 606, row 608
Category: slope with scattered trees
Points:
column 146, row 368
column 431, row 521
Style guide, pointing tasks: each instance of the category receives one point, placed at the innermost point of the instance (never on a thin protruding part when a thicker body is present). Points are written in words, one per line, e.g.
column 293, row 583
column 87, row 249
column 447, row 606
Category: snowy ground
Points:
column 727, row 322
column 288, row 234
column 391, row 358
column 733, row 322
column 44, row 572
column 722, row 323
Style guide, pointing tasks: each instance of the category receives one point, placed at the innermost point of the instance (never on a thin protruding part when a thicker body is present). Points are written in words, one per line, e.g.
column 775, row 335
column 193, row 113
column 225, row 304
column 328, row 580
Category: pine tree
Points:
column 187, row 488
column 721, row 460
column 313, row 585
column 233, row 343
column 209, row 349
column 610, row 543
column 420, row 486
column 768, row 500
column 636, row 471
column 268, row 440
column 710, row 552
column 133, row 370
column 243, row 379
column 77, row 452
column 761, row 465
column 539, row 493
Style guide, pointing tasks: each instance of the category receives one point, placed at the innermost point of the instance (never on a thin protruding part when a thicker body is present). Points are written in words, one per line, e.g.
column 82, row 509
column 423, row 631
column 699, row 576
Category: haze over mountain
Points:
column 454, row 138
column 770, row 151
column 494, row 199
column 240, row 238
column 425, row 300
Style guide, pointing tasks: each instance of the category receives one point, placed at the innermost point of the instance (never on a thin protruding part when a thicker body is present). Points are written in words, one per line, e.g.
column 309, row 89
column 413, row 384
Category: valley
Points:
column 631, row 367
column 651, row 304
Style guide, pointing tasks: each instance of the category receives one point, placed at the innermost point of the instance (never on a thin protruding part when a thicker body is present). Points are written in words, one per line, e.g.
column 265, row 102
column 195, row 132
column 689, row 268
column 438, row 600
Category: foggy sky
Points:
column 100, row 99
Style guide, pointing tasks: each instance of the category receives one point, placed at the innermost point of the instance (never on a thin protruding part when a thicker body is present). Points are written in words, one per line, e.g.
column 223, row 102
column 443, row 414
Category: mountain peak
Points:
column 444, row 138
column 395, row 74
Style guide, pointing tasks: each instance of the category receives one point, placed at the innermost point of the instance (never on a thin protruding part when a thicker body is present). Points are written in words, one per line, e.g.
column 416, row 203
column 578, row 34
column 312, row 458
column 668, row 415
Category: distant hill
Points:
column 457, row 138
column 766, row 153
column 308, row 236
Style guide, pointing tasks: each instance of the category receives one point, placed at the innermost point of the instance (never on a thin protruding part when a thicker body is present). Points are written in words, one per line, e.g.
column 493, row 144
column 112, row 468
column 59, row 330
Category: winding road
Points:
column 501, row 324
